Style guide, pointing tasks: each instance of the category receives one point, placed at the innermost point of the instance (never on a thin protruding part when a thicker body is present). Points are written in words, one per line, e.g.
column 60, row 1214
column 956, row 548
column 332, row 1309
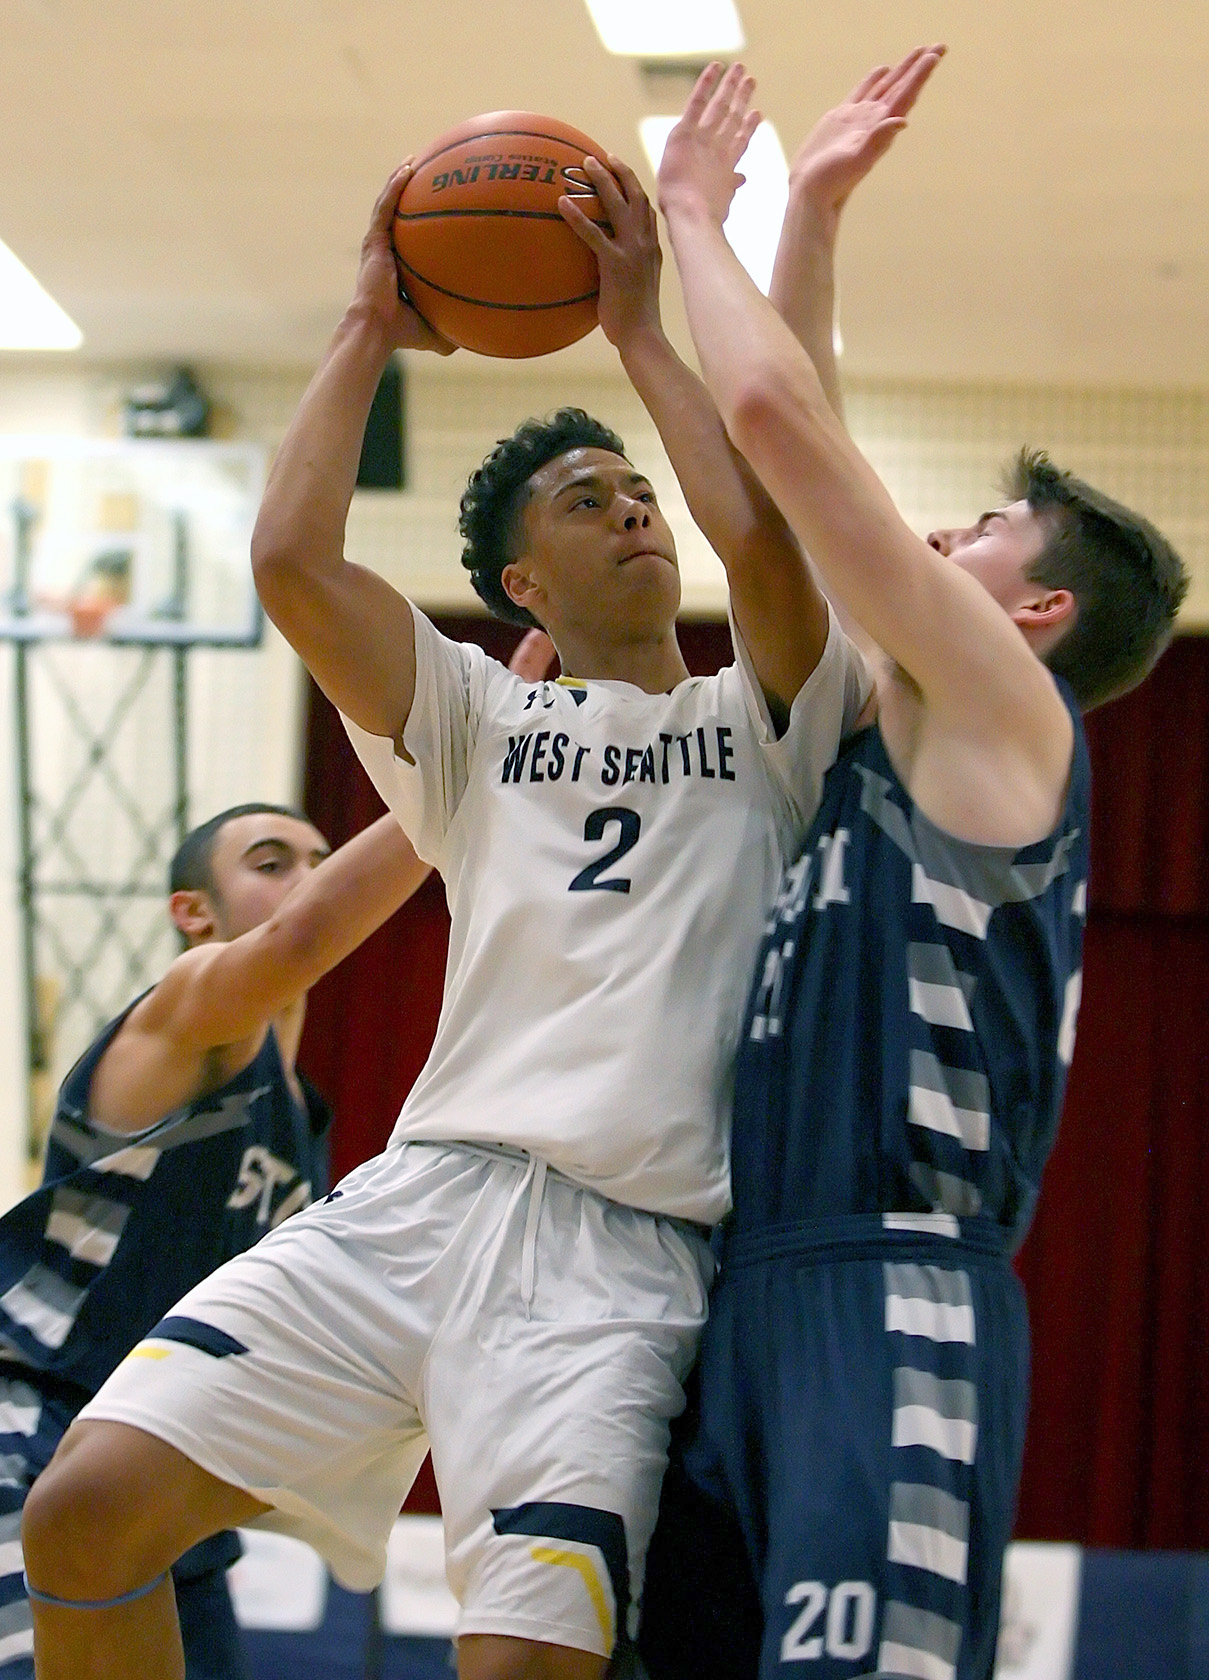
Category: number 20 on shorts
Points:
column 836, row 1620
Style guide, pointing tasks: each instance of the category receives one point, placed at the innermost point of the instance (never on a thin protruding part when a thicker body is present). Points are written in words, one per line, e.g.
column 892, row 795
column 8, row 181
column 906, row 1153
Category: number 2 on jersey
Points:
column 593, row 878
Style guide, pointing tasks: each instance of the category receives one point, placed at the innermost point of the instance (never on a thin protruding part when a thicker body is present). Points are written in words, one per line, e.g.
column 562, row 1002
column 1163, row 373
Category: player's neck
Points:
column 655, row 666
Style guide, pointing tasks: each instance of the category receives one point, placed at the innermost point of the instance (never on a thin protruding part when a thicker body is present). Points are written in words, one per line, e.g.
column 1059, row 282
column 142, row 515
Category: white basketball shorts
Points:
column 534, row 1333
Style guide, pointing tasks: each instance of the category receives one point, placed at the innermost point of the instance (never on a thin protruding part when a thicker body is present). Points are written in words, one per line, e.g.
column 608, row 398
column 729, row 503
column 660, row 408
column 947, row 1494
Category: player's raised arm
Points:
column 351, row 629
column 831, row 162
column 777, row 606
column 985, row 694
column 224, row 992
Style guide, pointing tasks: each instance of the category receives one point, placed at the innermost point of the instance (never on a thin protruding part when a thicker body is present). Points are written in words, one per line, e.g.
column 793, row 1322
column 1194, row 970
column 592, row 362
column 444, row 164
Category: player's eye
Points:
column 584, row 501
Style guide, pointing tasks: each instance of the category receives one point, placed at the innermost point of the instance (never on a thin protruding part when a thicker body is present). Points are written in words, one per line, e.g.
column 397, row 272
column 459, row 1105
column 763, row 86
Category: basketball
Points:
column 483, row 253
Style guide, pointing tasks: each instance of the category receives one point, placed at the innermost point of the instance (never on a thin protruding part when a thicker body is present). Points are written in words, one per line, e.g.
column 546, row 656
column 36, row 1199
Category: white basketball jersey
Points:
column 608, row 856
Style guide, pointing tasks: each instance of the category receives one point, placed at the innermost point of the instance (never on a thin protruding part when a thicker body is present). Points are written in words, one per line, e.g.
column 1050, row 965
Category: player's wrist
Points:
column 365, row 327
column 814, row 201
column 641, row 339
column 687, row 205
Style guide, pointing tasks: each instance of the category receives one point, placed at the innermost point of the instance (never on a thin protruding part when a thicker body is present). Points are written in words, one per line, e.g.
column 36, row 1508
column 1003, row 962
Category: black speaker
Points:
column 382, row 464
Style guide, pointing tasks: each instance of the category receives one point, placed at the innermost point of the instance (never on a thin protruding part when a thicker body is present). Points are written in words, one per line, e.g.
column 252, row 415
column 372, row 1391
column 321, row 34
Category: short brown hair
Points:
column 190, row 869
column 1126, row 578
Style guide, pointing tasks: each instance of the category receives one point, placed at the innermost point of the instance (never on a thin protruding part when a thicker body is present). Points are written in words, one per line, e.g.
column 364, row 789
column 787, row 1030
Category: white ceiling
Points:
column 190, row 178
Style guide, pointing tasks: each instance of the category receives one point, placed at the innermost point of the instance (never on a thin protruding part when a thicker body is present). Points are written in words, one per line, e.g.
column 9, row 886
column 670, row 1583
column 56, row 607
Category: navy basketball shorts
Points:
column 844, row 1485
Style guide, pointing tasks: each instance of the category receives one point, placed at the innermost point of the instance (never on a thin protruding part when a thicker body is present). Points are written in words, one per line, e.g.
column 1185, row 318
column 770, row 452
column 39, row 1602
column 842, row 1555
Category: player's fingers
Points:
column 863, row 89
column 632, row 188
column 592, row 234
column 891, row 74
column 876, row 142
column 719, row 110
column 901, row 95
column 742, row 97
column 749, row 126
column 703, row 91
column 609, row 189
column 388, row 198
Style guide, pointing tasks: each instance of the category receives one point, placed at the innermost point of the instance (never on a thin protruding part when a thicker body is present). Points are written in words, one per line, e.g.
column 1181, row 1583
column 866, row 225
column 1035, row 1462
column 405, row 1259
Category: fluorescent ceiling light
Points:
column 754, row 224
column 668, row 28
column 30, row 319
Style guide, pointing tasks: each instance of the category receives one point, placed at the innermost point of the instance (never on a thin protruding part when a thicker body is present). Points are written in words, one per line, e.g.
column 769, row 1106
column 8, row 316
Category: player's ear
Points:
column 1050, row 609
column 193, row 915
column 520, row 587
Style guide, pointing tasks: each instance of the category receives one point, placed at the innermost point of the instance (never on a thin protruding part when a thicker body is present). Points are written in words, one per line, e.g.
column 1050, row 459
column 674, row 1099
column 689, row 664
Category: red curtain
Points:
column 1115, row 1266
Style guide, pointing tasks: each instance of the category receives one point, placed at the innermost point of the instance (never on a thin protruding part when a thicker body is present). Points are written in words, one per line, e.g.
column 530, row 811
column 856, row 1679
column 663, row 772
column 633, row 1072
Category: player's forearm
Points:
column 222, row 994
column 803, row 285
column 346, row 898
column 742, row 343
column 727, row 502
column 775, row 409
column 299, row 533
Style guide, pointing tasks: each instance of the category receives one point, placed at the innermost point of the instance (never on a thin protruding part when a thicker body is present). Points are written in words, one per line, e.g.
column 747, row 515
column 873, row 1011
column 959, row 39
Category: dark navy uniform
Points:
column 120, row 1228
column 847, row 1478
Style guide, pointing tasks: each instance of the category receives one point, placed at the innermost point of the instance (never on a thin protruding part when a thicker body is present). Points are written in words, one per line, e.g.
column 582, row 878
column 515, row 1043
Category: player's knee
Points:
column 496, row 1657
column 79, row 1526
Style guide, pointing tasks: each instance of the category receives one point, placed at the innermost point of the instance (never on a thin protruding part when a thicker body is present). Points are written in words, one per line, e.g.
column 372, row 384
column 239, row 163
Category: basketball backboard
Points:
column 128, row 541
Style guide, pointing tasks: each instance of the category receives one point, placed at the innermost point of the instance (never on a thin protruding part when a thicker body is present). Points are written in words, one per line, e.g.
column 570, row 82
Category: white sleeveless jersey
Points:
column 608, row 857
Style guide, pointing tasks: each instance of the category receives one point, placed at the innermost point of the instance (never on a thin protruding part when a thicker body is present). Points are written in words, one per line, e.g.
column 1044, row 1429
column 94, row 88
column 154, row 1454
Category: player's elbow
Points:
column 779, row 423
column 759, row 409
column 275, row 564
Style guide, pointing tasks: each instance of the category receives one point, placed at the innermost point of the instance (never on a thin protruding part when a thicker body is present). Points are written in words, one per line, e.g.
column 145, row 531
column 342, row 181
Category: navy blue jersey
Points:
column 122, row 1226
column 912, row 1017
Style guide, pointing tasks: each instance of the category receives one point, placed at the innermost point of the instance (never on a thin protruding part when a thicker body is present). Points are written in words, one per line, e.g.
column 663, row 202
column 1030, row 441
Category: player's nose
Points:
column 942, row 541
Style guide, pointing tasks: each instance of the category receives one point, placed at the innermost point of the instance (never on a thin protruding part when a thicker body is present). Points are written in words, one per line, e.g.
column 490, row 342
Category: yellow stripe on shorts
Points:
column 583, row 1567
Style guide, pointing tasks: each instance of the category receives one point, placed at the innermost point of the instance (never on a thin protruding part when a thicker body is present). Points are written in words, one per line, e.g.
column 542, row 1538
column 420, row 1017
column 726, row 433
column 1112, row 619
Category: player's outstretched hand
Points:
column 532, row 657
column 697, row 173
column 627, row 251
column 378, row 281
column 843, row 145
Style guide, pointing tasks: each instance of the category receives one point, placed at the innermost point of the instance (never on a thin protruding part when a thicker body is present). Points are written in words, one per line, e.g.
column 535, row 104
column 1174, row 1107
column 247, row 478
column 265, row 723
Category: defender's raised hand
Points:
column 627, row 251
column 844, row 145
column 835, row 157
column 698, row 171
column 379, row 289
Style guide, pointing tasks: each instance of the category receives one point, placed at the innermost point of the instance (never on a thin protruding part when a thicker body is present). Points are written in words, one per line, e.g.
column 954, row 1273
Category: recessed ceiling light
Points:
column 754, row 224
column 668, row 28
column 30, row 319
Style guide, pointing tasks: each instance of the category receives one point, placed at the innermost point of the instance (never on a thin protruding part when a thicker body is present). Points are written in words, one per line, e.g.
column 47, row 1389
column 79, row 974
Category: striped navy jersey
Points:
column 912, row 1017
column 123, row 1225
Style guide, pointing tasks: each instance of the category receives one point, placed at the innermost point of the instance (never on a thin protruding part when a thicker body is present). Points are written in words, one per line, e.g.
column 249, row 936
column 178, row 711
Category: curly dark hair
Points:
column 495, row 495
column 1126, row 578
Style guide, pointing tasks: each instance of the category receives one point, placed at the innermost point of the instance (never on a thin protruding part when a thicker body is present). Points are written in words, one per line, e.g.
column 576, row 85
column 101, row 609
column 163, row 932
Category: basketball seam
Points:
column 529, row 215
column 496, row 134
column 484, row 303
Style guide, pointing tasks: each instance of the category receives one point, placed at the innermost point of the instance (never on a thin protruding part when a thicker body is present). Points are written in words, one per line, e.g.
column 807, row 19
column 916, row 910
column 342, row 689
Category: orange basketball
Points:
column 483, row 253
